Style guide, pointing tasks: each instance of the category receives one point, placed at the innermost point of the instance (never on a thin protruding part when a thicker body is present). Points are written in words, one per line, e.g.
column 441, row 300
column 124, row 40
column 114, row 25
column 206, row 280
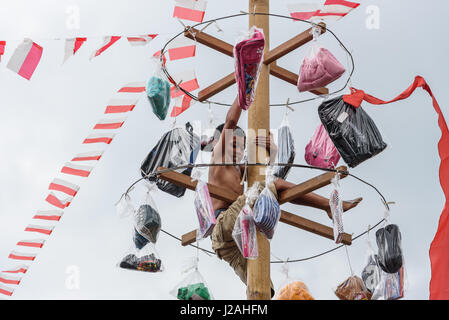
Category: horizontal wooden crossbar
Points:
column 286, row 196
column 216, row 87
column 210, row 41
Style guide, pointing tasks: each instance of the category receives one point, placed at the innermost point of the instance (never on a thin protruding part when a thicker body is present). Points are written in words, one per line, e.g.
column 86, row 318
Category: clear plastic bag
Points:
column 158, row 92
column 371, row 272
column 125, row 207
column 291, row 289
column 245, row 232
column 192, row 287
column 248, row 55
column 147, row 221
column 204, row 210
column 352, row 131
column 353, row 288
column 266, row 210
column 177, row 147
column 320, row 151
column 319, row 68
column 286, row 148
column 391, row 285
column 390, row 251
column 145, row 259
column 336, row 206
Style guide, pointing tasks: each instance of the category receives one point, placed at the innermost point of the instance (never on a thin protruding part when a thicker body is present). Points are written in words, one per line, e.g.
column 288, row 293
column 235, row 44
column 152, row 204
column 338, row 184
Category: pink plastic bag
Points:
column 321, row 152
column 319, row 69
column 248, row 54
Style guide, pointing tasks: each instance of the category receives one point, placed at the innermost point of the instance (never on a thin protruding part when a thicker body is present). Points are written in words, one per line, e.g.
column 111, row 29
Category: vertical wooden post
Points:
column 258, row 277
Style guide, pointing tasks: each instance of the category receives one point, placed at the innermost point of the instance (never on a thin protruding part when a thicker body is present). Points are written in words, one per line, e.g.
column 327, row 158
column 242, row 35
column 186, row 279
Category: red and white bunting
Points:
column 22, row 256
column 190, row 10
column 88, row 156
column 49, row 215
column 181, row 105
column 188, row 82
column 181, row 48
column 157, row 55
column 76, row 170
column 120, row 105
column 38, row 243
column 7, row 279
column 25, row 58
column 6, row 290
column 71, row 46
column 64, row 186
column 39, row 229
column 134, row 87
column 110, row 123
column 130, row 89
column 99, row 138
column 2, row 48
column 336, row 9
column 58, row 203
column 108, row 41
column 19, row 269
column 141, row 40
column 303, row 11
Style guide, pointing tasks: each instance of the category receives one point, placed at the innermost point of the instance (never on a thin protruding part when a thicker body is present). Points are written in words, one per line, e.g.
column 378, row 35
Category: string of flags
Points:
column 62, row 190
column 331, row 10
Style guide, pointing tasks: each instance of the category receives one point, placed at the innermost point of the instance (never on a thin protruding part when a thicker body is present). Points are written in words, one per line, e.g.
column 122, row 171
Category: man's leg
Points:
column 312, row 199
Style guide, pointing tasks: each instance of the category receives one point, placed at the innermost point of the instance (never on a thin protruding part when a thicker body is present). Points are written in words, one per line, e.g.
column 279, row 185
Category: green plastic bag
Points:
column 196, row 291
column 158, row 92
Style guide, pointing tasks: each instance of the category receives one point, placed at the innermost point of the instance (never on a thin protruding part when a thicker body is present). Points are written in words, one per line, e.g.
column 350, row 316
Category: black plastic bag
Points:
column 286, row 149
column 390, row 252
column 177, row 147
column 352, row 131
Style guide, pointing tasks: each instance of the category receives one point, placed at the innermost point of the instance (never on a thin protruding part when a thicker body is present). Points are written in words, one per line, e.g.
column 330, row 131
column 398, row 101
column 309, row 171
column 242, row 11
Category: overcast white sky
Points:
column 46, row 119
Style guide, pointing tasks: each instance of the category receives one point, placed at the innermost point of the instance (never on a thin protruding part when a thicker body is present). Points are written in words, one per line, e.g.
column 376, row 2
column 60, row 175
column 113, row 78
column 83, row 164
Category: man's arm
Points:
column 232, row 119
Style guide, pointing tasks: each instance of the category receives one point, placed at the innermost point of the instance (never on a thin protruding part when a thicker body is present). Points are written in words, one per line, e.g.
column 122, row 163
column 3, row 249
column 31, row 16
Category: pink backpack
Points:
column 319, row 69
column 321, row 152
column 248, row 54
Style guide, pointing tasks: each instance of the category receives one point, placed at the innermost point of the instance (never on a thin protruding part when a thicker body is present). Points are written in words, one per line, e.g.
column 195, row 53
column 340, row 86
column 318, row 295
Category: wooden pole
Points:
column 258, row 270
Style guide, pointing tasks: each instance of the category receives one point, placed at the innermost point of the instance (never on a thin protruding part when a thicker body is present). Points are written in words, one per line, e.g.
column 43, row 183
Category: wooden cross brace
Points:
column 284, row 197
column 269, row 59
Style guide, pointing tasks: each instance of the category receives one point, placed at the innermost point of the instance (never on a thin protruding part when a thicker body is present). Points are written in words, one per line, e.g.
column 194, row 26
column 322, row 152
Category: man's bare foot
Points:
column 347, row 205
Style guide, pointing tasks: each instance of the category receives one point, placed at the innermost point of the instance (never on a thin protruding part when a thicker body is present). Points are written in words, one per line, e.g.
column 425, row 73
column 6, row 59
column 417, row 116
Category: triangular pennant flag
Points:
column 190, row 10
column 108, row 41
column 141, row 40
column 2, row 48
column 25, row 58
column 336, row 9
column 303, row 11
column 181, row 105
column 71, row 47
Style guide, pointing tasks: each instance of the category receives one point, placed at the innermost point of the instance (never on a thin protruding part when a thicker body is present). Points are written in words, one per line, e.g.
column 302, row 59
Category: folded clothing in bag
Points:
column 320, row 151
column 371, row 273
column 353, row 288
column 286, row 149
column 158, row 93
column 177, row 147
column 204, row 210
column 295, row 291
column 195, row 291
column 266, row 212
column 147, row 225
column 352, row 131
column 248, row 54
column 147, row 263
column 319, row 69
column 390, row 253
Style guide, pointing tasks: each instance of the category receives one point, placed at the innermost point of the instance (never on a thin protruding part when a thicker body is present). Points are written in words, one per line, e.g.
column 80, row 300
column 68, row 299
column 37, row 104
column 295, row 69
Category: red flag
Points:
column 2, row 48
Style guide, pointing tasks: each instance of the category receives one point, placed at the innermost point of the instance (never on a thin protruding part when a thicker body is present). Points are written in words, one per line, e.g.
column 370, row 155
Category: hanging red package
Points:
column 439, row 257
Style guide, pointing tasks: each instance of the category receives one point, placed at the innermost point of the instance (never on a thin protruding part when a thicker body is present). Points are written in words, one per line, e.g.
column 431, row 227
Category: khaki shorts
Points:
column 222, row 241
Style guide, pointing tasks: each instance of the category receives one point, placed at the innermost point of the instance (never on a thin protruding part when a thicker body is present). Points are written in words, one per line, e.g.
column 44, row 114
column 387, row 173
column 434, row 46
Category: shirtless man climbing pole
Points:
column 229, row 145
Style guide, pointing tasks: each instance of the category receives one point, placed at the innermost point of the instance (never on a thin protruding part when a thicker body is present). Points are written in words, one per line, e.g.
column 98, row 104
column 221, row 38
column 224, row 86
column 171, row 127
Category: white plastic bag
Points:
column 372, row 271
column 391, row 285
column 124, row 206
column 286, row 148
column 204, row 210
column 336, row 206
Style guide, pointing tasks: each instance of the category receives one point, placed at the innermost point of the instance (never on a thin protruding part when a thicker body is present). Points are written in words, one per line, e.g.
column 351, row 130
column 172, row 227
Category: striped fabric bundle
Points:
column 267, row 212
column 63, row 190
